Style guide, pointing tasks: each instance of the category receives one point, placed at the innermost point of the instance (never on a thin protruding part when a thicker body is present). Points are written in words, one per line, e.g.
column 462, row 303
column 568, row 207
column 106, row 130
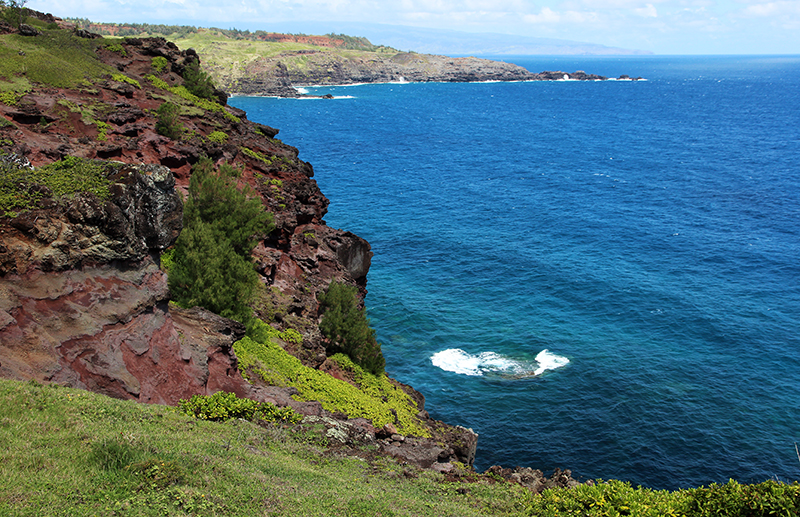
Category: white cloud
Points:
column 779, row 8
column 664, row 26
column 546, row 15
column 648, row 11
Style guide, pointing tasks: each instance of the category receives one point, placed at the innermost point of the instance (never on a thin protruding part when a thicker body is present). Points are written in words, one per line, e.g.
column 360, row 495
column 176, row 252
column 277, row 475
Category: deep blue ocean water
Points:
column 646, row 232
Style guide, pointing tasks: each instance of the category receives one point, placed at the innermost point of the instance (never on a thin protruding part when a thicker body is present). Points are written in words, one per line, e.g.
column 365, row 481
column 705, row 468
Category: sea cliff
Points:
column 84, row 300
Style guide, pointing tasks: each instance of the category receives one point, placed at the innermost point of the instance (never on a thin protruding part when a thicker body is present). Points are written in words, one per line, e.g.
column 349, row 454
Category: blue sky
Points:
column 660, row 26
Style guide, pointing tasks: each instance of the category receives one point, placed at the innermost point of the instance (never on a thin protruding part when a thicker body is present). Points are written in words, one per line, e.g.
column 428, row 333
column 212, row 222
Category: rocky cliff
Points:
column 83, row 300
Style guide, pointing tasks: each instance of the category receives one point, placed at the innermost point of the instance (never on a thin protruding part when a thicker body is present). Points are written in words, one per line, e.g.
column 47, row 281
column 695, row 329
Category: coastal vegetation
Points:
column 21, row 188
column 211, row 265
column 347, row 328
column 72, row 452
column 367, row 395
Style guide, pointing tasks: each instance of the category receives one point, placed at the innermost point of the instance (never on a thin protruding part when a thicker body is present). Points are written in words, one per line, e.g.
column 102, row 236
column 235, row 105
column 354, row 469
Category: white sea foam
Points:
column 458, row 361
column 549, row 361
column 302, row 91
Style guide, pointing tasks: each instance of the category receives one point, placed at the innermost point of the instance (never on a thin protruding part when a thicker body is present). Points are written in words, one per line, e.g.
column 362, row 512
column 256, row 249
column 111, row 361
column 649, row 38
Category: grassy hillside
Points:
column 71, row 452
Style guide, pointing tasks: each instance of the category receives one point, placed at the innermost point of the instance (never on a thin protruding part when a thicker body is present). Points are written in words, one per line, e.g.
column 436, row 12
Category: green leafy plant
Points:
column 159, row 63
column 218, row 137
column 258, row 156
column 10, row 98
column 197, row 81
column 347, row 327
column 185, row 94
column 122, row 78
column 212, row 266
column 118, row 48
column 168, row 122
column 223, row 406
column 374, row 397
column 102, row 130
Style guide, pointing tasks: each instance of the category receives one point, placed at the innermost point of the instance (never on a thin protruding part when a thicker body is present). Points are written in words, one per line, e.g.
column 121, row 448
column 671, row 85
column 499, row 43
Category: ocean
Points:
column 600, row 276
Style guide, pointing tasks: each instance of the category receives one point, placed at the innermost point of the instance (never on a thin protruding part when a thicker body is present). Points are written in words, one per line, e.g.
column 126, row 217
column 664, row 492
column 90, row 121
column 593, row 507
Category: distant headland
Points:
column 271, row 64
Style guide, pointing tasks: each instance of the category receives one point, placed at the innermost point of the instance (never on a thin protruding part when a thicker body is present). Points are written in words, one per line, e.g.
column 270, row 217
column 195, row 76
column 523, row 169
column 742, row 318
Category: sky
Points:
column 660, row 26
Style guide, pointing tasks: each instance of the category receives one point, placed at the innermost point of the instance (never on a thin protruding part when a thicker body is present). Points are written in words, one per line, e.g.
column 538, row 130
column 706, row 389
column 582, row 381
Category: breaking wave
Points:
column 458, row 361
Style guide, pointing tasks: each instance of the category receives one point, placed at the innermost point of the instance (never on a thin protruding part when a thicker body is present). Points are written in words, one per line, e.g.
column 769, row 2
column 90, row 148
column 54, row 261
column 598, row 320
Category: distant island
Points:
column 272, row 64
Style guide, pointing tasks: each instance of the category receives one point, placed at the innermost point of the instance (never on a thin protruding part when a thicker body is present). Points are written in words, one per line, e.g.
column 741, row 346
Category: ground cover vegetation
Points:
column 55, row 58
column 370, row 396
column 69, row 452
column 23, row 187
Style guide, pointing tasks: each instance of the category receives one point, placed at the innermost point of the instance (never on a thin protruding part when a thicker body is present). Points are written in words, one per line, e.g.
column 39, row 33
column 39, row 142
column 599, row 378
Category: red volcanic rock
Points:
column 83, row 304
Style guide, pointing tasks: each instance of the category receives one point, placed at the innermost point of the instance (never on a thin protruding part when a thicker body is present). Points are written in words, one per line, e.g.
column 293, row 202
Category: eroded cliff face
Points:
column 84, row 302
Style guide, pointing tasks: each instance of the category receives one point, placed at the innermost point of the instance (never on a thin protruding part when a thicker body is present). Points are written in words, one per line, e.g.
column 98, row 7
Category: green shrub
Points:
column 118, row 48
column 122, row 78
column 102, row 130
column 10, row 98
column 211, row 265
column 770, row 498
column 604, row 499
column 223, row 406
column 374, row 397
column 347, row 327
column 159, row 63
column 218, row 137
column 168, row 122
column 185, row 94
column 197, row 81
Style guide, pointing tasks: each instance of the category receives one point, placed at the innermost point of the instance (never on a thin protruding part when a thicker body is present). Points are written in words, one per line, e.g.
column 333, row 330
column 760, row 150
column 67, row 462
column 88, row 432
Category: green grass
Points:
column 70, row 452
column 55, row 58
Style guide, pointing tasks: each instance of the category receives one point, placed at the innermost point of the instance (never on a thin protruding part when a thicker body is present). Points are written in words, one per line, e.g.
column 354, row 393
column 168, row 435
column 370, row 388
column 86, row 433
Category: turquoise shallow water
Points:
column 644, row 233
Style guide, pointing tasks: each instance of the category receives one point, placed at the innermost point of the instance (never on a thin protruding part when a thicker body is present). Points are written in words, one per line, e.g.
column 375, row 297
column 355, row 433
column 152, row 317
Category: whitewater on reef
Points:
column 647, row 232
column 487, row 363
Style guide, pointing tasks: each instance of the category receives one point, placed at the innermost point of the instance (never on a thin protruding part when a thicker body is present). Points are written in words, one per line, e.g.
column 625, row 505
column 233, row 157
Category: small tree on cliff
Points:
column 211, row 263
column 197, row 81
column 347, row 327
